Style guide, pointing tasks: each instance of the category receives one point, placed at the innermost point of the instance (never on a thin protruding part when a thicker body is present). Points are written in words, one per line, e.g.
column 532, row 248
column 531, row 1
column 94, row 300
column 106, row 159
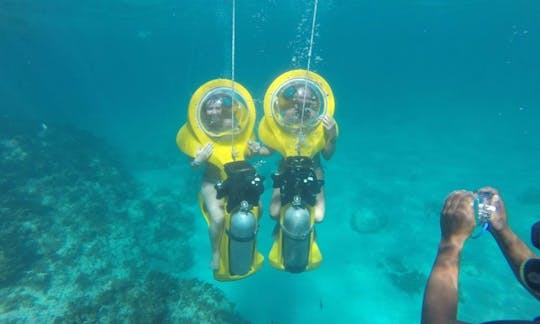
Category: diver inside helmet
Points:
column 216, row 115
column 298, row 104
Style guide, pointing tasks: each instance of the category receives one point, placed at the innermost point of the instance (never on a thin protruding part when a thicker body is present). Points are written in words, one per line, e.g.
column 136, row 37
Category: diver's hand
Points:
column 203, row 154
column 498, row 219
column 234, row 153
column 254, row 147
column 330, row 127
column 457, row 217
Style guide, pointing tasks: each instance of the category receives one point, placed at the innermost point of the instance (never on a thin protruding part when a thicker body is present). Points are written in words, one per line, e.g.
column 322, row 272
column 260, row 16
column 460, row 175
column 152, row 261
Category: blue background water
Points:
column 431, row 96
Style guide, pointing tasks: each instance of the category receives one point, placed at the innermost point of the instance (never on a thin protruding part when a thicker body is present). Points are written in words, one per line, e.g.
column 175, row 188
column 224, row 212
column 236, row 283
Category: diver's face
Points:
column 304, row 100
column 292, row 114
column 303, row 96
column 213, row 112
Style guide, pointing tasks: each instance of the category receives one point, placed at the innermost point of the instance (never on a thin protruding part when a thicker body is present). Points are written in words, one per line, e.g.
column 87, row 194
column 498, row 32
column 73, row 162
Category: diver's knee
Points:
column 217, row 215
column 274, row 210
column 319, row 212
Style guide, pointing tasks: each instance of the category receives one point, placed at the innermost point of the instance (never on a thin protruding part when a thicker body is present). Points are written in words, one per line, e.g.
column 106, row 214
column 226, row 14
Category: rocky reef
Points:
column 81, row 241
column 404, row 277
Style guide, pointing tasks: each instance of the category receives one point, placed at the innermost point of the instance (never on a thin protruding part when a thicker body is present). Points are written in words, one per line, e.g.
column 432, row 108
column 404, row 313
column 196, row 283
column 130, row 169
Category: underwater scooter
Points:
column 298, row 186
column 296, row 132
column 241, row 191
column 239, row 184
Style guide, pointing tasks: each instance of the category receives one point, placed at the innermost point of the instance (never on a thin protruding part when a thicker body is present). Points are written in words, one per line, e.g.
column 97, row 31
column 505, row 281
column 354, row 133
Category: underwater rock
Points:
column 367, row 221
column 159, row 298
column 165, row 231
column 18, row 252
column 411, row 281
column 75, row 223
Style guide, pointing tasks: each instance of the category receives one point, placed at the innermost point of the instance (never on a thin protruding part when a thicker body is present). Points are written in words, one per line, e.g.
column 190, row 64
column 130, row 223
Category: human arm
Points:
column 203, row 154
column 514, row 249
column 441, row 295
column 256, row 148
column 330, row 135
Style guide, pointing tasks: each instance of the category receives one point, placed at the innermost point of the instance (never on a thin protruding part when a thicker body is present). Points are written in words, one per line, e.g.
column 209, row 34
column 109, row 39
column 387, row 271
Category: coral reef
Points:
column 17, row 251
column 82, row 241
column 160, row 298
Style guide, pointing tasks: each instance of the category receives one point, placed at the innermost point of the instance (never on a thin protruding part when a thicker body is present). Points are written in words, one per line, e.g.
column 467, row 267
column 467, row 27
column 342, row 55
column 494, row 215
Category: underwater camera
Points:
column 482, row 212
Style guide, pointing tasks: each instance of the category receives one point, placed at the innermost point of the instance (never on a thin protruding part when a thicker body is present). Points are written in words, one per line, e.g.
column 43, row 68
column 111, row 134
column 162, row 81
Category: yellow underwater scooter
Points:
column 296, row 132
column 240, row 185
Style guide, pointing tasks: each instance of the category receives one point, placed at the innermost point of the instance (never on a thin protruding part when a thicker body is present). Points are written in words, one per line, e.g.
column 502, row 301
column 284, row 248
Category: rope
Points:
column 310, row 51
column 233, row 49
column 312, row 34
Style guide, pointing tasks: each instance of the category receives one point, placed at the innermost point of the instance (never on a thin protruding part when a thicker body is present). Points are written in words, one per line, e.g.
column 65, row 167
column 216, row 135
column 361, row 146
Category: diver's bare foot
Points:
column 214, row 264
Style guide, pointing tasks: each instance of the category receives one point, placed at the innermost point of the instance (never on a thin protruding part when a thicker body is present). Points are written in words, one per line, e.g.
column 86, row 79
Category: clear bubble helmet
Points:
column 222, row 114
column 293, row 105
column 298, row 104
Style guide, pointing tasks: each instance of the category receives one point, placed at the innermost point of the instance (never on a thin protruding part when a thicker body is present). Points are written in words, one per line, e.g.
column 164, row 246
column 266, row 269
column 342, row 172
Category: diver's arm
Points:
column 441, row 296
column 330, row 136
column 514, row 249
column 329, row 149
column 516, row 253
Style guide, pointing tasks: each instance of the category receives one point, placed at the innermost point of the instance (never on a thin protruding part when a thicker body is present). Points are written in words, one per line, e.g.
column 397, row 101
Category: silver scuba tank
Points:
column 242, row 240
column 296, row 236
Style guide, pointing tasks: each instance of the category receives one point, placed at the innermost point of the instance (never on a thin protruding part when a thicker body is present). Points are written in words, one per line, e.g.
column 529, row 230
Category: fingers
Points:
column 204, row 153
column 459, row 204
column 328, row 121
column 458, row 199
column 254, row 146
column 457, row 217
column 234, row 153
column 488, row 189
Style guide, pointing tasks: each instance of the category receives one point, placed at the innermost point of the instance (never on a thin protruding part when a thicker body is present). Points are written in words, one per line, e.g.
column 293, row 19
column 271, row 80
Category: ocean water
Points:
column 99, row 211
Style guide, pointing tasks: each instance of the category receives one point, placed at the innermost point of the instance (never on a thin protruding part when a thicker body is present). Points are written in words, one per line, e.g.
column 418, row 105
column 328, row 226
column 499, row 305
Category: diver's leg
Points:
column 275, row 204
column 215, row 209
column 320, row 204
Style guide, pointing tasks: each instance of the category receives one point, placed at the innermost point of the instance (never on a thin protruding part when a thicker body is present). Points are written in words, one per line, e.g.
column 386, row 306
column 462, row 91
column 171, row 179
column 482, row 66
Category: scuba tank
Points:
column 242, row 189
column 296, row 236
column 242, row 240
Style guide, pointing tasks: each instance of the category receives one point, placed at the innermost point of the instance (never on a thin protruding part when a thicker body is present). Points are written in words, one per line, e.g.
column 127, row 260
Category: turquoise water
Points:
column 431, row 96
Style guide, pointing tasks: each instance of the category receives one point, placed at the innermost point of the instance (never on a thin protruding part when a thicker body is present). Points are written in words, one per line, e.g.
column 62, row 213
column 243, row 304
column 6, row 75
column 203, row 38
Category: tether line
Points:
column 310, row 51
column 233, row 49
column 316, row 3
